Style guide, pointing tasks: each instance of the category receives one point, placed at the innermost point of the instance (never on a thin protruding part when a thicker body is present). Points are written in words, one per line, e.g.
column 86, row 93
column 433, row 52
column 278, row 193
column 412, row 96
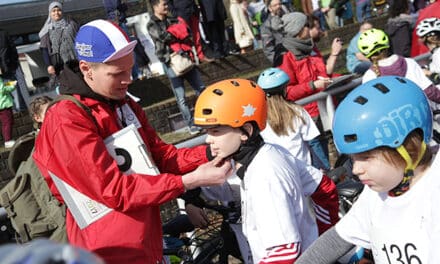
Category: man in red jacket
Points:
column 109, row 166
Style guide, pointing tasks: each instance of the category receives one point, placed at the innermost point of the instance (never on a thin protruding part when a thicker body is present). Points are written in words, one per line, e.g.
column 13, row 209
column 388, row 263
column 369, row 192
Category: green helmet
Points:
column 372, row 41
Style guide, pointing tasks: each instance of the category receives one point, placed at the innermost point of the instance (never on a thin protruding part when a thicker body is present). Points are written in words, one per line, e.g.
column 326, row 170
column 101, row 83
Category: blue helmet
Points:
column 273, row 81
column 381, row 112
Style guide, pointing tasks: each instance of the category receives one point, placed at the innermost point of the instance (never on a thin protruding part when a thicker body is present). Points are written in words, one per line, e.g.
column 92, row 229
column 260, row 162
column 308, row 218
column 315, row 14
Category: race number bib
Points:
column 402, row 246
column 129, row 151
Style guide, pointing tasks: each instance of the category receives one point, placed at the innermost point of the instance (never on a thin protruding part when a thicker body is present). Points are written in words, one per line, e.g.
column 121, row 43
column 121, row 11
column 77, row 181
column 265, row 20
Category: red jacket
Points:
column 70, row 146
column 301, row 73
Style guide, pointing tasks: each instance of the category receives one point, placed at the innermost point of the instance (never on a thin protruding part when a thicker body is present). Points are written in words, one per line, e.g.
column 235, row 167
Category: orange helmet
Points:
column 231, row 102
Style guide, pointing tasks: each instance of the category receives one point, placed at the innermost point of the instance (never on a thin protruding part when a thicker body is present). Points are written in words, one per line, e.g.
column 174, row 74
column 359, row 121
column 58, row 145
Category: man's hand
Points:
column 214, row 172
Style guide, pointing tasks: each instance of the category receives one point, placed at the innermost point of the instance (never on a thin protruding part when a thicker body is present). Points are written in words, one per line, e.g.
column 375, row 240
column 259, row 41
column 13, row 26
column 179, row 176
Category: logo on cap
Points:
column 84, row 50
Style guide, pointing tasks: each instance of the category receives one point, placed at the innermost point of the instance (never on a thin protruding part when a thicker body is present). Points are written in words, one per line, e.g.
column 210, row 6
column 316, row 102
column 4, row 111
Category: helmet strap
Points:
column 409, row 169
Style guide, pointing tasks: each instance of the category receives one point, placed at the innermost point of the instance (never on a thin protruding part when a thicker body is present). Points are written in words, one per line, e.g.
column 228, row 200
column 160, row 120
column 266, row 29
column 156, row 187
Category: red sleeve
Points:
column 69, row 146
column 283, row 254
column 326, row 204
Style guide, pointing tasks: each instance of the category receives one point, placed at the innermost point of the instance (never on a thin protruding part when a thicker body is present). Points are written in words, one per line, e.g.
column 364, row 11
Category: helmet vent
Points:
column 361, row 100
column 217, row 92
column 235, row 83
column 381, row 87
column 401, row 80
column 253, row 84
column 207, row 111
column 350, row 138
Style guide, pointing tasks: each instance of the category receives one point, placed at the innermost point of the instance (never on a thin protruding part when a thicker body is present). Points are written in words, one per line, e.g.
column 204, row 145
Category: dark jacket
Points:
column 8, row 55
column 271, row 35
column 213, row 10
column 183, row 8
column 399, row 31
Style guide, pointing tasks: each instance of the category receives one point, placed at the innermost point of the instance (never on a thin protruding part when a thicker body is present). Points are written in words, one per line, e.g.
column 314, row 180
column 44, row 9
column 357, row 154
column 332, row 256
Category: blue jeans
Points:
column 319, row 151
column 323, row 24
column 195, row 80
column 363, row 11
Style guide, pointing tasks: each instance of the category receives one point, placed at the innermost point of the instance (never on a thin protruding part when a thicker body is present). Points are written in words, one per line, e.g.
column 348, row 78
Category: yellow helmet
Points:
column 372, row 41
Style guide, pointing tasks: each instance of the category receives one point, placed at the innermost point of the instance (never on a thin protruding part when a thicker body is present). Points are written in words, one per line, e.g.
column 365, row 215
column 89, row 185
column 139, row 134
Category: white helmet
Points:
column 428, row 26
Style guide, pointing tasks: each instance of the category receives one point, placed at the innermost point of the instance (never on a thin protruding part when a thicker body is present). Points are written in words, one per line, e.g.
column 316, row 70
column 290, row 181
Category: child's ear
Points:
column 249, row 129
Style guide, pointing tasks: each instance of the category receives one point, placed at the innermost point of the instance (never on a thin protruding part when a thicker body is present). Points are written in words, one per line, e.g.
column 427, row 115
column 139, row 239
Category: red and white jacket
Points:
column 71, row 147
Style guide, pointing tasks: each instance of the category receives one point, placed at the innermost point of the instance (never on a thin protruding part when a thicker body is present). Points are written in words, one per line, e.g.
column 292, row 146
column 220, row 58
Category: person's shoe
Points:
column 194, row 130
column 207, row 60
column 9, row 144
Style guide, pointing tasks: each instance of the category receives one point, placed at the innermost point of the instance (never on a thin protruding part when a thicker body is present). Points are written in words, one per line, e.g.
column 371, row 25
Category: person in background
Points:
column 116, row 11
column 396, row 214
column 275, row 216
column 272, row 28
column 6, row 113
column 428, row 30
column 375, row 45
column 214, row 16
column 189, row 12
column 399, row 26
column 316, row 33
column 164, row 31
column 243, row 35
column 329, row 14
column 57, row 38
column 432, row 10
column 11, row 70
column 363, row 10
column 308, row 75
column 356, row 62
column 114, row 207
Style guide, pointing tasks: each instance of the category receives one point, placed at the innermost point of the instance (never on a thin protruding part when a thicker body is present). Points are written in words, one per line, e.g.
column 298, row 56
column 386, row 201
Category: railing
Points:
column 325, row 98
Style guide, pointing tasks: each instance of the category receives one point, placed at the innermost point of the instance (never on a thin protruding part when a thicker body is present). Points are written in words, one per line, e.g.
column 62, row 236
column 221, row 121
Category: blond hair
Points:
column 375, row 58
column 280, row 114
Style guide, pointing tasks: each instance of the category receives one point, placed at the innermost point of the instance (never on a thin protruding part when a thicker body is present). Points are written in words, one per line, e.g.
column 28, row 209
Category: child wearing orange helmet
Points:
column 275, row 217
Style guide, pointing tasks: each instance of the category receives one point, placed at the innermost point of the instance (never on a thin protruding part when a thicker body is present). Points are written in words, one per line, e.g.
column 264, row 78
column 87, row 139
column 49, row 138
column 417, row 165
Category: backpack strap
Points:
column 73, row 99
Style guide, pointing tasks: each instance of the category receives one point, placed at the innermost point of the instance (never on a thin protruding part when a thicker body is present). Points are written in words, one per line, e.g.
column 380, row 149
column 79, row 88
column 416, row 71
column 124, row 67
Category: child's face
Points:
column 224, row 140
column 374, row 171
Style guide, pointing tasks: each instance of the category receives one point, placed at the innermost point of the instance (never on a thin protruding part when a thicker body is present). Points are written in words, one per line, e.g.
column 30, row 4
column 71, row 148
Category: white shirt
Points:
column 408, row 224
column 295, row 142
column 434, row 66
column 274, row 209
column 413, row 72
